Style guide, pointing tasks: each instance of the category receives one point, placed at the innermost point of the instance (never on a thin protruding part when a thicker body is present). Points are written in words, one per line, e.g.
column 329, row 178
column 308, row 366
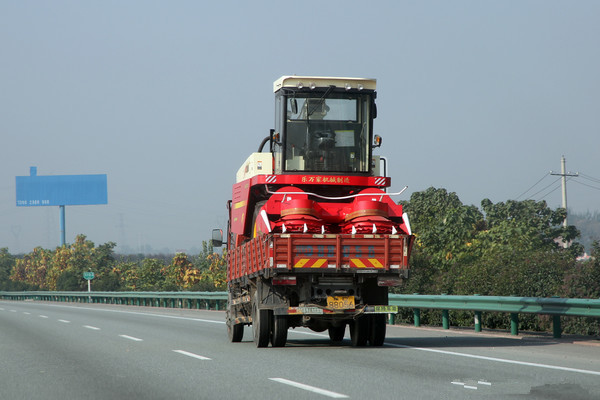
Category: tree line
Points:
column 62, row 269
column 512, row 248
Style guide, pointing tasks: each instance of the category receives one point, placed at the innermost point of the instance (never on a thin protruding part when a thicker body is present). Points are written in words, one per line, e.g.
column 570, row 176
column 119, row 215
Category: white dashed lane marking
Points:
column 131, row 338
column 309, row 388
column 471, row 384
column 187, row 353
column 94, row 328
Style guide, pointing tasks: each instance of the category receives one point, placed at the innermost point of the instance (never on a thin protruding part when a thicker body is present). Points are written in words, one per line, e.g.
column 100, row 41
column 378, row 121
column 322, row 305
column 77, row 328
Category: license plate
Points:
column 340, row 302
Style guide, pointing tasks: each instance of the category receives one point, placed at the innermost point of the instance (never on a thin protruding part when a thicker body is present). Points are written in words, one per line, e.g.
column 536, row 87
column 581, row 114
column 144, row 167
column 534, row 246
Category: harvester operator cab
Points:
column 323, row 125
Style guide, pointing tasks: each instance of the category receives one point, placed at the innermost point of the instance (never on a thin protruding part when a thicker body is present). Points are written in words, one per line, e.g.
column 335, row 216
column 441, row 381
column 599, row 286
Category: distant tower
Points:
column 122, row 233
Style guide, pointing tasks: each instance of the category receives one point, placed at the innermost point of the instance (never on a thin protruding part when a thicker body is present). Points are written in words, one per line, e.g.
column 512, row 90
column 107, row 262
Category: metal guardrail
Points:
column 531, row 305
column 553, row 306
column 198, row 300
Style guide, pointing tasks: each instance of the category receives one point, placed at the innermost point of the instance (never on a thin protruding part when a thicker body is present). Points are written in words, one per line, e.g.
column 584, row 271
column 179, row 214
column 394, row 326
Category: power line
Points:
column 585, row 184
column 550, row 192
column 541, row 179
column 544, row 188
column 589, row 178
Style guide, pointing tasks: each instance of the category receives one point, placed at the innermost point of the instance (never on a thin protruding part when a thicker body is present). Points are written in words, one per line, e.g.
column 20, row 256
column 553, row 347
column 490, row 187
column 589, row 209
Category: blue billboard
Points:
column 61, row 190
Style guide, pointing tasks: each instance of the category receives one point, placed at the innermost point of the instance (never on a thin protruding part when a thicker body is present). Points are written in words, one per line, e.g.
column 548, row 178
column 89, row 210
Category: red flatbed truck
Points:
column 313, row 239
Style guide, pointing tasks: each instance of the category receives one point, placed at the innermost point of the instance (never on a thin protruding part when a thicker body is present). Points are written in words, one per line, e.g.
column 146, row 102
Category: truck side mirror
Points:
column 294, row 106
column 377, row 141
column 217, row 238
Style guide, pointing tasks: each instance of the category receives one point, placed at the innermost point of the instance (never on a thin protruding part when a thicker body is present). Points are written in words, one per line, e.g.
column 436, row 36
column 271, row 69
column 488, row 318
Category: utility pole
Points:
column 564, row 175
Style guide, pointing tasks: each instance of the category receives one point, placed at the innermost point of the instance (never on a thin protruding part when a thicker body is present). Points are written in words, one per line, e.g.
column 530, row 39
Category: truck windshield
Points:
column 327, row 133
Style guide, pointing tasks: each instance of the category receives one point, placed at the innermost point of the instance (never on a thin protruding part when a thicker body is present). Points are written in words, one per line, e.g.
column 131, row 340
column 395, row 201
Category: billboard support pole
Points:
column 62, row 226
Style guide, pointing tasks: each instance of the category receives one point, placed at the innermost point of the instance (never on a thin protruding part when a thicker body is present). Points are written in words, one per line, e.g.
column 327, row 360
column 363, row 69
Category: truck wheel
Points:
column 336, row 333
column 261, row 327
column 377, row 329
column 235, row 331
column 280, row 331
column 359, row 331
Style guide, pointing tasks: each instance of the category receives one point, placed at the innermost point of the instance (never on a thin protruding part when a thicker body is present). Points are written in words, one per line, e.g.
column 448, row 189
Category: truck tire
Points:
column 280, row 331
column 336, row 333
column 261, row 326
column 359, row 331
column 234, row 331
column 377, row 329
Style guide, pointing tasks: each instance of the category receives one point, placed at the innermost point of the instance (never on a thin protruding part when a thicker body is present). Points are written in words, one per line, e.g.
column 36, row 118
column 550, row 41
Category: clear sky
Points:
column 168, row 98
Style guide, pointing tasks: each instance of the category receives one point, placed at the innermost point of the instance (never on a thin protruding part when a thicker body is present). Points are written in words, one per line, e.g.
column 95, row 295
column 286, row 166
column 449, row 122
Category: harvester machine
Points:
column 314, row 239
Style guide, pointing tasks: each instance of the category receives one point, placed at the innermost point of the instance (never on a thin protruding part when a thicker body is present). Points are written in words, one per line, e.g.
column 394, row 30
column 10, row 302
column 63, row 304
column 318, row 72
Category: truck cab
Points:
column 323, row 125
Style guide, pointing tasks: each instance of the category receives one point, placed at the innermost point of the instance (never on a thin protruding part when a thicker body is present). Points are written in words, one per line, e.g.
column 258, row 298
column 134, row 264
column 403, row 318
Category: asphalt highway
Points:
column 91, row 351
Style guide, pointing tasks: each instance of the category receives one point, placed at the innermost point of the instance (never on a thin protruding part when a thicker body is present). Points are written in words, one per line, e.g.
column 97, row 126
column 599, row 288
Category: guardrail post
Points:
column 514, row 324
column 477, row 321
column 556, row 328
column 391, row 318
column 446, row 319
column 417, row 316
